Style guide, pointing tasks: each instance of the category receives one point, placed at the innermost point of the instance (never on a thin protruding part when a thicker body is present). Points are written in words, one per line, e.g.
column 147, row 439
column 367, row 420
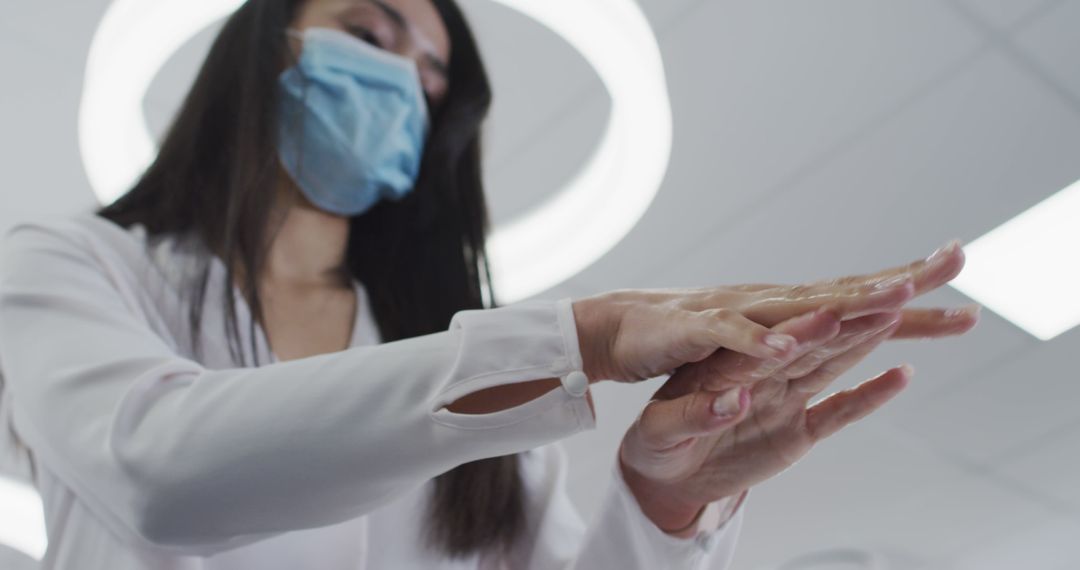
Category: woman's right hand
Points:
column 632, row 335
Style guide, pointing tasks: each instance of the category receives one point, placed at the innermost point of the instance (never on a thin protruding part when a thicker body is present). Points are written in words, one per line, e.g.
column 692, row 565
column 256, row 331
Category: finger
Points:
column 816, row 381
column 936, row 270
column 928, row 274
column 812, row 332
column 852, row 333
column 751, row 287
column 777, row 305
column 937, row 323
column 724, row 368
column 714, row 329
column 844, row 408
column 855, row 296
column 665, row 424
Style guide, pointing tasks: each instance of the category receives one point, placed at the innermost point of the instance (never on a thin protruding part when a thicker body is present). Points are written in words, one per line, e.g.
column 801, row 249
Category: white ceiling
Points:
column 811, row 139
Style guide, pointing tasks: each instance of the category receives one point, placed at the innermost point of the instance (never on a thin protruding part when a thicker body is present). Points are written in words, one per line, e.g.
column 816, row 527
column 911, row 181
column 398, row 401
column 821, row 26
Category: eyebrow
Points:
column 399, row 20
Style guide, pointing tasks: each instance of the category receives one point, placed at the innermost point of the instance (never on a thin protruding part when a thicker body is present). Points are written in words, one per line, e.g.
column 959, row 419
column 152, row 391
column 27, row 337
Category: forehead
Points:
column 421, row 16
column 425, row 18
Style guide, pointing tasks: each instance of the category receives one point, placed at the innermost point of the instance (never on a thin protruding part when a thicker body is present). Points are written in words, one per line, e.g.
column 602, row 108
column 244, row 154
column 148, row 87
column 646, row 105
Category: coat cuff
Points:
column 526, row 341
column 712, row 546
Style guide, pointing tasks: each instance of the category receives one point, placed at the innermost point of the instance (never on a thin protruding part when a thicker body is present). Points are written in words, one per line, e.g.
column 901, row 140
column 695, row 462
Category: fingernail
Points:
column 943, row 252
column 782, row 343
column 908, row 369
column 728, row 404
column 963, row 312
column 892, row 282
column 829, row 311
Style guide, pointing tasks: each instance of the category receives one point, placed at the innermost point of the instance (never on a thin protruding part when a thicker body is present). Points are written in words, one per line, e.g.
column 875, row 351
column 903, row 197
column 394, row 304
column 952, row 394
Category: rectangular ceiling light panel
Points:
column 1028, row 270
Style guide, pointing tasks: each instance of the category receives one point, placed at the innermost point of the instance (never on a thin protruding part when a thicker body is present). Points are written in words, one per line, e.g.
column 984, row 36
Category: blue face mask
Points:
column 352, row 124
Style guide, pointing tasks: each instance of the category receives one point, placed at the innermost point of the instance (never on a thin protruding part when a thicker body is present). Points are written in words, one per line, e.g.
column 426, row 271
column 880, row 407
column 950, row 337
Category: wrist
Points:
column 592, row 338
column 661, row 504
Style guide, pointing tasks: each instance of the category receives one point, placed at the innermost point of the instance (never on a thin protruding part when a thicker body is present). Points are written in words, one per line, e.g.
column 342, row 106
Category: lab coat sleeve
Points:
column 197, row 461
column 620, row 535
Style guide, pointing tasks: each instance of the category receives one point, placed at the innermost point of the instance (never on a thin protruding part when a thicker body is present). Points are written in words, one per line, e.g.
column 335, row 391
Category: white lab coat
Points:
column 150, row 458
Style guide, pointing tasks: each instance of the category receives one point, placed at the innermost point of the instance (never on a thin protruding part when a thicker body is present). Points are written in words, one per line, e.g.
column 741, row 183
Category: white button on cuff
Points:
column 576, row 383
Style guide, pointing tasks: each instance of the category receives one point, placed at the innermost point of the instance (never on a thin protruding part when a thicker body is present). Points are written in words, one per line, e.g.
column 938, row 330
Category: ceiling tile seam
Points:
column 1003, row 42
column 1025, row 448
column 1072, row 509
column 960, row 381
column 1034, row 15
column 1031, row 494
column 985, row 470
column 989, row 469
column 962, row 378
column 962, row 560
column 817, row 163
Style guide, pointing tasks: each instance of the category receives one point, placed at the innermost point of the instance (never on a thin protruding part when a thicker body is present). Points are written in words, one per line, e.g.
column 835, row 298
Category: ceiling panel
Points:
column 1007, row 409
column 1049, row 545
column 62, row 29
column 42, row 170
column 871, row 487
column 958, row 512
column 11, row 559
column 1006, row 13
column 1050, row 468
column 766, row 92
column 1054, row 43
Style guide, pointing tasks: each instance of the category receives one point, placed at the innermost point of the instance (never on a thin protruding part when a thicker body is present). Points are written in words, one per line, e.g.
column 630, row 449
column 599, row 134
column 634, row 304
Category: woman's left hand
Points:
column 693, row 446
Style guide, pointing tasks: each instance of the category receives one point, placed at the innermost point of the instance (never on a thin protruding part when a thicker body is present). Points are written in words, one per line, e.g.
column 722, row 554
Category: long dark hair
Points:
column 421, row 259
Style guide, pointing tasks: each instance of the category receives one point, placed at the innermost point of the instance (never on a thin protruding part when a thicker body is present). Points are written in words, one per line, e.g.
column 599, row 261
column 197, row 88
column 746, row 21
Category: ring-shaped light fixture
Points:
column 568, row 232
column 22, row 519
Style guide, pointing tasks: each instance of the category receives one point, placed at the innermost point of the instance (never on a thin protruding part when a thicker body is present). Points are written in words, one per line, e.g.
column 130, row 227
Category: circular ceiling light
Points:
column 553, row 242
column 22, row 525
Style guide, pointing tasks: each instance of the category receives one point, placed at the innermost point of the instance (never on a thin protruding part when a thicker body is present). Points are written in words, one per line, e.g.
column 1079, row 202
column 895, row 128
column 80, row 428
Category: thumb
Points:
column 668, row 423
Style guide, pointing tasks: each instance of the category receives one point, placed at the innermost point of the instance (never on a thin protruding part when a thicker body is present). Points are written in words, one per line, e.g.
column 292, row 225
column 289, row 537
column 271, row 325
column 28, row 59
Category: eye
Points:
column 365, row 35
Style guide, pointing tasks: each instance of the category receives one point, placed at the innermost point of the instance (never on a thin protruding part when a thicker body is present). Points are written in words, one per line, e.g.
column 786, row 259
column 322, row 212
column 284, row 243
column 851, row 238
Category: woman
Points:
column 274, row 351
